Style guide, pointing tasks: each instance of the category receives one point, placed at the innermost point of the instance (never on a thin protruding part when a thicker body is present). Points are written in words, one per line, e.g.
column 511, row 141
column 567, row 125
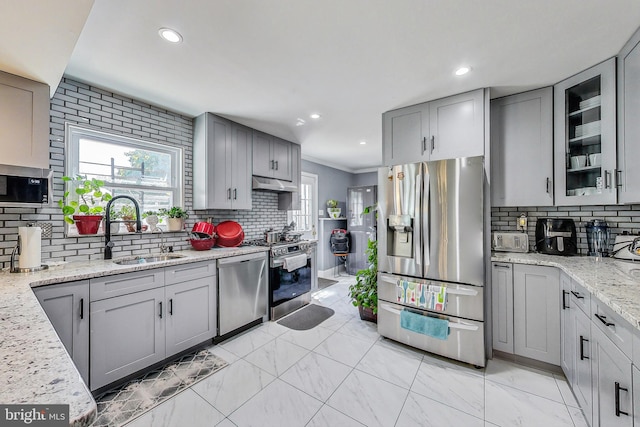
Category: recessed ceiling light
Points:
column 363, row 142
column 462, row 71
column 170, row 35
column 314, row 116
column 300, row 122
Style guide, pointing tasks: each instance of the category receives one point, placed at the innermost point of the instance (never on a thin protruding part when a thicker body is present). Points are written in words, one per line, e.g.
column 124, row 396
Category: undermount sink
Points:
column 146, row 259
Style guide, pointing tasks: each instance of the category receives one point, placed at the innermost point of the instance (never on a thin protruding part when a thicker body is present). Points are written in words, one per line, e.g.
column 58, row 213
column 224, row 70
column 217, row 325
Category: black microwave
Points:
column 25, row 187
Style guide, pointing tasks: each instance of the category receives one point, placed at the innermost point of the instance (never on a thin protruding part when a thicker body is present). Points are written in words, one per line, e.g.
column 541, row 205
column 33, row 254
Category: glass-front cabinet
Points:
column 585, row 139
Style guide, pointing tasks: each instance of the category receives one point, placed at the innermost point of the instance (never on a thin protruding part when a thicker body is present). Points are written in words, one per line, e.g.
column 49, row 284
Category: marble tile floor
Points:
column 342, row 373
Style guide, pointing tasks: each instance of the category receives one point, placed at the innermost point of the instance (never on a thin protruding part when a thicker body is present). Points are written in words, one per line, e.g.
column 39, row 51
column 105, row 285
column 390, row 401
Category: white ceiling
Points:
column 267, row 63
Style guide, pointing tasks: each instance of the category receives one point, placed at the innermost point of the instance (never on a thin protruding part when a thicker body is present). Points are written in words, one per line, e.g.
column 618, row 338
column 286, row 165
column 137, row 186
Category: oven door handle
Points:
column 280, row 262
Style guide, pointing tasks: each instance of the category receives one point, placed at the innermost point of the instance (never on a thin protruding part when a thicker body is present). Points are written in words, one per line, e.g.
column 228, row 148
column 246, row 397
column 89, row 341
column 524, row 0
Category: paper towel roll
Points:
column 30, row 247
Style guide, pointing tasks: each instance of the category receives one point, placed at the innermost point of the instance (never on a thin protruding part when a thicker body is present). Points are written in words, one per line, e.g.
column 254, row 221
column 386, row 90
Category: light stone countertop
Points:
column 35, row 367
column 614, row 282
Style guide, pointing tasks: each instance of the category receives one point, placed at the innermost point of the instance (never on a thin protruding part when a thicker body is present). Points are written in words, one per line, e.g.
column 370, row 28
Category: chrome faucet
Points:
column 108, row 244
column 163, row 248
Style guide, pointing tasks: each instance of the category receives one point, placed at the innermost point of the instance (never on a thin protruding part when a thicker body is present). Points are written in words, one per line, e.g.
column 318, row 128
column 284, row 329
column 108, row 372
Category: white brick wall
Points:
column 619, row 219
column 92, row 107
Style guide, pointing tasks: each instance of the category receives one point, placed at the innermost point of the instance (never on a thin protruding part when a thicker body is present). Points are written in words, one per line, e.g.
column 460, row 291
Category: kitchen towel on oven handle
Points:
column 294, row 262
column 424, row 295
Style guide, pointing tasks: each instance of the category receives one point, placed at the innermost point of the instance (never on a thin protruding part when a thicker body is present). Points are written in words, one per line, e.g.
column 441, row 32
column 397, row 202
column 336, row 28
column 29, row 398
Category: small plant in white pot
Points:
column 332, row 208
column 151, row 217
column 175, row 218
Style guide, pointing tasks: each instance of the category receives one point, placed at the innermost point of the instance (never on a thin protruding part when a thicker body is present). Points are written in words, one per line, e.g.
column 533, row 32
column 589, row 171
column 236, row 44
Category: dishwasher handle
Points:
column 241, row 258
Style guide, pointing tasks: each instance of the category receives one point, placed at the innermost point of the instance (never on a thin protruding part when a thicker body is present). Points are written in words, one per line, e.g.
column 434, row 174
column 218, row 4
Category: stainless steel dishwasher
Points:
column 242, row 291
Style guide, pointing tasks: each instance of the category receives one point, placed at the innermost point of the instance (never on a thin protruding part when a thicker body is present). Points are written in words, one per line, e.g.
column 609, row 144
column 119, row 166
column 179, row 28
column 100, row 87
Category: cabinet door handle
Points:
column 272, row 164
column 424, row 144
column 548, row 181
column 170, row 306
column 564, row 304
column 577, row 295
column 228, row 193
column 582, row 341
column 161, row 309
column 276, row 165
column 81, row 308
column 603, row 319
column 607, row 179
column 618, row 411
column 433, row 143
column 235, row 194
column 618, row 173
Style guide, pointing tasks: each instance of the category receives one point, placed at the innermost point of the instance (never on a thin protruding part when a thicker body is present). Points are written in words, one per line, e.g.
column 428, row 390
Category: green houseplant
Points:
column 364, row 293
column 332, row 208
column 87, row 211
column 175, row 218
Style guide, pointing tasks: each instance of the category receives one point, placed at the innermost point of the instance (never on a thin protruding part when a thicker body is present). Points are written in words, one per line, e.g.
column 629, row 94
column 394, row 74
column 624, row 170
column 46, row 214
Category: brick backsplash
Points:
column 619, row 218
column 79, row 103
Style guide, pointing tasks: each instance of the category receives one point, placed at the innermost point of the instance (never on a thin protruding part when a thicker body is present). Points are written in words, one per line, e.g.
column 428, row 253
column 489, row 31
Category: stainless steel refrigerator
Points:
column 361, row 226
column 431, row 257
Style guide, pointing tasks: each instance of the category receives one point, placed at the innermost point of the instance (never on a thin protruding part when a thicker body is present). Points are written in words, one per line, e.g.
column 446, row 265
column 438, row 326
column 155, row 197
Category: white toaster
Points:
column 510, row 242
column 627, row 246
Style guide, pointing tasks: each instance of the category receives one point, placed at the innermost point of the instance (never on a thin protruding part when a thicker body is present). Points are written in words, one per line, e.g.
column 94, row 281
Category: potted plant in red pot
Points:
column 87, row 210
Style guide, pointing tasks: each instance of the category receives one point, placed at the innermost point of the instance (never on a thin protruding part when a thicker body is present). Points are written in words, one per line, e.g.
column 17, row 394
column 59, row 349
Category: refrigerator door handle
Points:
column 417, row 226
column 452, row 325
column 423, row 201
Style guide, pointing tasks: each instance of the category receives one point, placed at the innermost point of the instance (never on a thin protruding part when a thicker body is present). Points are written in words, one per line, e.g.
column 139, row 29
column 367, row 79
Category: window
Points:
column 306, row 218
column 150, row 173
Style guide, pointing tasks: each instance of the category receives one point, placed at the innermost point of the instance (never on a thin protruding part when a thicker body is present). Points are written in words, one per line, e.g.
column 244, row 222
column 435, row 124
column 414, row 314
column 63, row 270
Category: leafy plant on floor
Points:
column 364, row 292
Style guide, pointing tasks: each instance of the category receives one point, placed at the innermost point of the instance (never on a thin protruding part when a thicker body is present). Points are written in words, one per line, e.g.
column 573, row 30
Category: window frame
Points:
column 74, row 133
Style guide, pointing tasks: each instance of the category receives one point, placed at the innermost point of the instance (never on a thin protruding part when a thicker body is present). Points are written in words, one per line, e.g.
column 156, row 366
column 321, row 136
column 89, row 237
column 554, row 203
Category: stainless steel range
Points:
column 292, row 275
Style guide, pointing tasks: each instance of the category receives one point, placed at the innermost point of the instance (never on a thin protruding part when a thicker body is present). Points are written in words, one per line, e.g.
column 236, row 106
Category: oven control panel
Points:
column 282, row 250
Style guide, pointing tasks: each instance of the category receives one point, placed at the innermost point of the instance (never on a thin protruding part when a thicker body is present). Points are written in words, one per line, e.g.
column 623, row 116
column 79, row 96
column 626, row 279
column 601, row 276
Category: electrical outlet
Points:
column 320, row 212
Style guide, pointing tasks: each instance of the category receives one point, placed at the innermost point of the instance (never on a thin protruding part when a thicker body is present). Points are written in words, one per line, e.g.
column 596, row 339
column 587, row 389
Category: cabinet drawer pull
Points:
column 170, row 306
column 161, row 309
column 618, row 411
column 564, row 304
column 582, row 341
column 81, row 308
column 433, row 143
column 577, row 295
column 501, row 266
column 603, row 319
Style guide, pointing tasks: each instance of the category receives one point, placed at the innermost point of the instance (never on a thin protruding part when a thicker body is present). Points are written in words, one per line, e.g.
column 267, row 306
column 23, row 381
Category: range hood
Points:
column 271, row 184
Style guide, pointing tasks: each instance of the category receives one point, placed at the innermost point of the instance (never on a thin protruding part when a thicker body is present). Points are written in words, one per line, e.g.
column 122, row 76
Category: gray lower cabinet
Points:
column 536, row 308
column 522, row 149
column 502, row 306
column 567, row 329
column 581, row 382
column 191, row 314
column 67, row 306
column 636, row 395
column 127, row 335
column 612, row 383
column 168, row 310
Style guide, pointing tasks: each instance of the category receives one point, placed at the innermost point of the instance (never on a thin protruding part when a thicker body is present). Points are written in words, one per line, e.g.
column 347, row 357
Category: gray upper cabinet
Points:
column 405, row 133
column 291, row 201
column 585, row 137
column 628, row 176
column 522, row 149
column 446, row 128
column 221, row 164
column 456, row 125
column 67, row 306
column 271, row 156
column 24, row 122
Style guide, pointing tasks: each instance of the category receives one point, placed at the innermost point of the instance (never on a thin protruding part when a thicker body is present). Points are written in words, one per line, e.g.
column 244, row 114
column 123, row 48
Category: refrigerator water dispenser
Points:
column 400, row 236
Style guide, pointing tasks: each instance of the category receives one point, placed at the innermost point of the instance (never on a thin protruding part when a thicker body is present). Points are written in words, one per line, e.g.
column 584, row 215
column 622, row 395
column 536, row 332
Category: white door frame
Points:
column 314, row 204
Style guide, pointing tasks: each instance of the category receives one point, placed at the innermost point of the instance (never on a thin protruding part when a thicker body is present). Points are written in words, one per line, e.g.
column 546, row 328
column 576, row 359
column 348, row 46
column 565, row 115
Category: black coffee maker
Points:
column 556, row 236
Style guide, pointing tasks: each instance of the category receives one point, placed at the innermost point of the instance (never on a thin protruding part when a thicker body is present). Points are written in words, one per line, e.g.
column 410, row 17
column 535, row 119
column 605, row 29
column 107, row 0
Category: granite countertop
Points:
column 35, row 367
column 614, row 282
